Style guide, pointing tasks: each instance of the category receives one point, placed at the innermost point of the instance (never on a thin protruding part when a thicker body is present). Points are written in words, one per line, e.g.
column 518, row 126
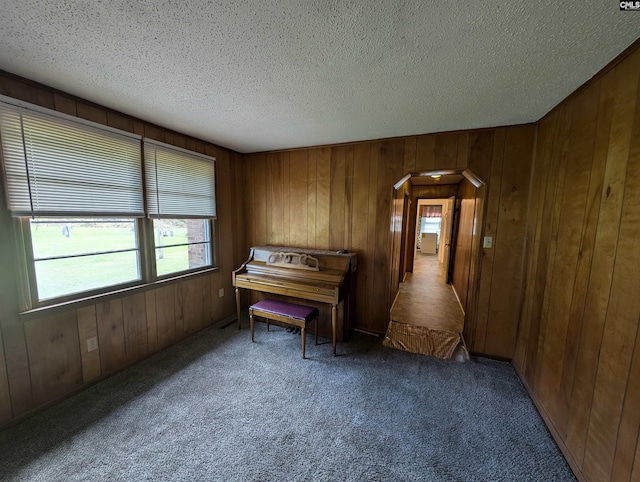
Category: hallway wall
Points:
column 463, row 253
column 396, row 235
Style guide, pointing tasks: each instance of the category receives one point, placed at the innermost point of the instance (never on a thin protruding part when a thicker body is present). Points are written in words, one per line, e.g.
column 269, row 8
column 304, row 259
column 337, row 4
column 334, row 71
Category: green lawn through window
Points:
column 66, row 276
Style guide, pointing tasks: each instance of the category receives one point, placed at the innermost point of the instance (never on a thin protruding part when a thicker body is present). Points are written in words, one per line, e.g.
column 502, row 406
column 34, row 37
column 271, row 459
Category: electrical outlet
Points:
column 92, row 344
column 488, row 242
column 221, row 292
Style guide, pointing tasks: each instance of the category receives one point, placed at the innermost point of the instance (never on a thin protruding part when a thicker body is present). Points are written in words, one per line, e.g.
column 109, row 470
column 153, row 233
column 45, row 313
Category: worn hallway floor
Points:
column 426, row 316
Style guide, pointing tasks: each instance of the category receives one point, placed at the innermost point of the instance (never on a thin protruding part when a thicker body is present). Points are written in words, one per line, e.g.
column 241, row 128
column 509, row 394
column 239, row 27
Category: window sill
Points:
column 109, row 295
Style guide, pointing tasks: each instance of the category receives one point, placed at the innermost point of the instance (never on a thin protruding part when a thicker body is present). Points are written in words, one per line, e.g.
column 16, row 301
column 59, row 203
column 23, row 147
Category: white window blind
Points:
column 180, row 184
column 60, row 167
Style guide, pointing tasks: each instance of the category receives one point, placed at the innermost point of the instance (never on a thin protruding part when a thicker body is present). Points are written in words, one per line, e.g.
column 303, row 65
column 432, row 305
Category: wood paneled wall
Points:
column 466, row 212
column 491, row 330
column 399, row 196
column 44, row 358
column 578, row 344
column 341, row 197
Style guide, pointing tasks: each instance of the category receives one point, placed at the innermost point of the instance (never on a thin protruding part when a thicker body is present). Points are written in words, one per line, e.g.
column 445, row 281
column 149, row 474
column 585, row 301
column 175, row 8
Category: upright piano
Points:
column 324, row 278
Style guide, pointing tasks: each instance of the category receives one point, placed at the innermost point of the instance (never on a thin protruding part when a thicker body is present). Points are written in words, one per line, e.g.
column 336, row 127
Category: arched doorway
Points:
column 433, row 298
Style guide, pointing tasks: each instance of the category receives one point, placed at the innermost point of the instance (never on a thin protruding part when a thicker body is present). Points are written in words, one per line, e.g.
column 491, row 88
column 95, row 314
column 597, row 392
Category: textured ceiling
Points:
column 267, row 74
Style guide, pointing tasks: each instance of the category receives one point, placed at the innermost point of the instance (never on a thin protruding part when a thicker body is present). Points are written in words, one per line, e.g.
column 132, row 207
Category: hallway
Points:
column 426, row 316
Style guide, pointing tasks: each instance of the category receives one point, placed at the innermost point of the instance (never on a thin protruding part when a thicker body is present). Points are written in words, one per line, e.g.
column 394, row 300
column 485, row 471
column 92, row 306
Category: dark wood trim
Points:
column 478, row 354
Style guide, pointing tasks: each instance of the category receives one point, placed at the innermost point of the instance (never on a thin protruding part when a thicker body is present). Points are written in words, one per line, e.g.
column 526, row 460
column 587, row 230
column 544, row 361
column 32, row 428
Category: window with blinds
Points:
column 77, row 189
column 180, row 188
column 180, row 183
column 91, row 222
column 60, row 167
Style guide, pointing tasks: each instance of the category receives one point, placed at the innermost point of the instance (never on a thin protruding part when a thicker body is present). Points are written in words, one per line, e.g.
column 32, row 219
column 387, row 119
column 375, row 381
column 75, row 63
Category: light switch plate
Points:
column 221, row 292
column 92, row 344
column 488, row 242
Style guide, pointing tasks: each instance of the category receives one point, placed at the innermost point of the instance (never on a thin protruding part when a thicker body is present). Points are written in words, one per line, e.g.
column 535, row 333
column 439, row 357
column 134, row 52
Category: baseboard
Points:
column 458, row 298
column 227, row 321
column 370, row 333
column 490, row 356
column 394, row 301
column 552, row 429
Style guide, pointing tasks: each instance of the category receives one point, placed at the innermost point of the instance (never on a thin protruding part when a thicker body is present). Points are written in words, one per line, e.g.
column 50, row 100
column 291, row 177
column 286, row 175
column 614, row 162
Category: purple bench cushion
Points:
column 283, row 308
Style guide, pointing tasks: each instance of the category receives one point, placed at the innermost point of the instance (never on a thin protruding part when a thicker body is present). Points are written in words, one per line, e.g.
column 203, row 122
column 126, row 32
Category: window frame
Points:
column 27, row 283
column 27, row 280
column 213, row 250
column 213, row 220
column 29, row 277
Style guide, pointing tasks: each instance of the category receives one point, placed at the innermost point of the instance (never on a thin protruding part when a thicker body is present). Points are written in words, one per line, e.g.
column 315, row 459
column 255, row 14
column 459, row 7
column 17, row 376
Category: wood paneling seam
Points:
column 525, row 269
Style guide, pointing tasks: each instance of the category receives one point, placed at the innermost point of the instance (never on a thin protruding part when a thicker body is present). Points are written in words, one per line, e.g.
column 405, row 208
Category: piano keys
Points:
column 324, row 277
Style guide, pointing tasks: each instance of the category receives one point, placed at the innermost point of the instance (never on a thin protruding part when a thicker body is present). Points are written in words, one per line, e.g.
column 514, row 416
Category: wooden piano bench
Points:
column 288, row 313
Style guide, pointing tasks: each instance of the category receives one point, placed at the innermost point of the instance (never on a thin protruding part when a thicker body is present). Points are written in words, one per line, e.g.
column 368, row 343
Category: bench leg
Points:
column 267, row 324
column 251, row 323
column 303, row 341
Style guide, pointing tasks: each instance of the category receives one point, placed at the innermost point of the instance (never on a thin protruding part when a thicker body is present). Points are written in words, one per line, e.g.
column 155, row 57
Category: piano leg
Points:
column 334, row 325
column 238, row 307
